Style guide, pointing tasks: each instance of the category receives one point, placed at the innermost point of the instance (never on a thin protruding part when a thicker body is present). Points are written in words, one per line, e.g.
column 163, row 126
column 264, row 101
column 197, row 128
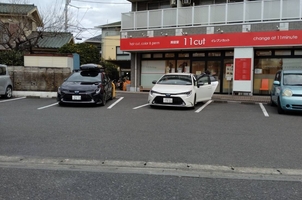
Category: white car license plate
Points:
column 76, row 97
column 168, row 100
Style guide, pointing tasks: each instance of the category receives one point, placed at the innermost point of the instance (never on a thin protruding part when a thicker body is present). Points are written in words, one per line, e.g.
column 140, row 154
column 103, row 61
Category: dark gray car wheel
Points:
column 104, row 99
column 8, row 92
column 272, row 103
column 280, row 110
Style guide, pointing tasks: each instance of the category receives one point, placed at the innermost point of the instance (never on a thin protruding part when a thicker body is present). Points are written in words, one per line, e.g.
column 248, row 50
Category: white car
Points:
column 182, row 89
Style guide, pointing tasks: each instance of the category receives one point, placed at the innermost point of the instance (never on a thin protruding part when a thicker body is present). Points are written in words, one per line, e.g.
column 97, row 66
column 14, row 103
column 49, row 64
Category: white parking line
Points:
column 121, row 98
column 141, row 106
column 202, row 107
column 263, row 110
column 48, row 106
column 12, row 99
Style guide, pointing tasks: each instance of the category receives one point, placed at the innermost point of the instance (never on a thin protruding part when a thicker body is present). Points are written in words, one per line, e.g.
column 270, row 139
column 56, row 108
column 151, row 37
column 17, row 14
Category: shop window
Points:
column 157, row 55
column 169, row 55
column 199, row 54
column 229, row 53
column 282, row 52
column 183, row 55
column 214, row 54
column 298, row 52
column 263, row 53
column 266, row 68
column 183, row 66
column 170, row 66
column 146, row 55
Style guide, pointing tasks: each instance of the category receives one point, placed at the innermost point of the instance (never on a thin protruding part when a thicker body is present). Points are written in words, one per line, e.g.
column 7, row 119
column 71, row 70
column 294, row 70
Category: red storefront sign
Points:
column 272, row 38
column 243, row 69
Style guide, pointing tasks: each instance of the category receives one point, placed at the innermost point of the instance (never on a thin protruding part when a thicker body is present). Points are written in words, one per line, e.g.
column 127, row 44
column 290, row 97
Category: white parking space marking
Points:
column 263, row 110
column 202, row 107
column 140, row 106
column 47, row 106
column 12, row 99
column 111, row 106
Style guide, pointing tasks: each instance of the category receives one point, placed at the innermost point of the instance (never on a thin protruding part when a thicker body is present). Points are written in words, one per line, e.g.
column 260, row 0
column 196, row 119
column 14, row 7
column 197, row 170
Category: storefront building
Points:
column 243, row 43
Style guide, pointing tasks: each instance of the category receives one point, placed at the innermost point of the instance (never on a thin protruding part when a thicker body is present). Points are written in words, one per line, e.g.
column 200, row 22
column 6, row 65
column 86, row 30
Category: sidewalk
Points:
column 216, row 97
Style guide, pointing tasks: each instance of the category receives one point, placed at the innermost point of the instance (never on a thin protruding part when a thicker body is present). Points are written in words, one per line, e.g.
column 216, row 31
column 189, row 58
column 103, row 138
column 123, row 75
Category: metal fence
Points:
column 229, row 13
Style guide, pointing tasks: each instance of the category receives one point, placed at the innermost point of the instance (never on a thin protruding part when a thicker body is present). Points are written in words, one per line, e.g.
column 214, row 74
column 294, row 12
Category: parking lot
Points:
column 228, row 134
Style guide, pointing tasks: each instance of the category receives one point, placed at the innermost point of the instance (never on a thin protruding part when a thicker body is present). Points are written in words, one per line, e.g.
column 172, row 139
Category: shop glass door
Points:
column 214, row 66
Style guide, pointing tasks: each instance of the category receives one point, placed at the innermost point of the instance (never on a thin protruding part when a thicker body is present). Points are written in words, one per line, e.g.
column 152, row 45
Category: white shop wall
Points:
column 151, row 70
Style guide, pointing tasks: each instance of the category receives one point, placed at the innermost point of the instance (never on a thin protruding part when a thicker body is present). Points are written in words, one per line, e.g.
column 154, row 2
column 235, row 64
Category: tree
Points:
column 88, row 53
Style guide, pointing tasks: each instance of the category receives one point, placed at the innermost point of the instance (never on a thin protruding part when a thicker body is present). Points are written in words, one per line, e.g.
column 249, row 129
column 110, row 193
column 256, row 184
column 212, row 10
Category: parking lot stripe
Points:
column 12, row 99
column 202, row 107
column 263, row 110
column 48, row 106
column 121, row 98
column 141, row 106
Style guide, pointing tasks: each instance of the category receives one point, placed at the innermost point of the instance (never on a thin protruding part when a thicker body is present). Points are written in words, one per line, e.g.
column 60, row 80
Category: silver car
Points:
column 6, row 85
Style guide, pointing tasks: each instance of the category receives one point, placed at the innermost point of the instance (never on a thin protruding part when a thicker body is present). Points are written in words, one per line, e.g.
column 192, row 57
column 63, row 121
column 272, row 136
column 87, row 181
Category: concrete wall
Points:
column 46, row 79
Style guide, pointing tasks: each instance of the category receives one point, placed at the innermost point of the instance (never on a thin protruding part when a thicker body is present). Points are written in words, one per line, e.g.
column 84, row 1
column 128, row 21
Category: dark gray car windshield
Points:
column 292, row 79
column 176, row 80
column 85, row 76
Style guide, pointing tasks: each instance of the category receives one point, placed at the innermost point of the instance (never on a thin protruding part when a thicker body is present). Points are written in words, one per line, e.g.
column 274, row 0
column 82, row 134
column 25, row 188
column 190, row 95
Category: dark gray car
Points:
column 6, row 85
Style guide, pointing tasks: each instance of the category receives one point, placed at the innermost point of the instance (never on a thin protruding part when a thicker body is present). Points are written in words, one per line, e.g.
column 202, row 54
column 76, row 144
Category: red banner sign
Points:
column 243, row 68
column 272, row 38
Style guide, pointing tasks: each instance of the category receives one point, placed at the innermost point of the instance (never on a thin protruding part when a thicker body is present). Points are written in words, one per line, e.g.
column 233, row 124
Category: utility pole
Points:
column 66, row 13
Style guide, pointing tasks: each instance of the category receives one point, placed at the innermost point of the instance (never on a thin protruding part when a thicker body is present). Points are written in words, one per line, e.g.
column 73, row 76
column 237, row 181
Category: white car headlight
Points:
column 152, row 92
column 186, row 93
column 287, row 93
column 98, row 90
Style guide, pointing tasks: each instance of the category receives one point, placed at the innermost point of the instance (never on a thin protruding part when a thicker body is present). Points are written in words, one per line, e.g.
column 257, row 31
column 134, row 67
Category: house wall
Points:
column 49, row 60
column 109, row 47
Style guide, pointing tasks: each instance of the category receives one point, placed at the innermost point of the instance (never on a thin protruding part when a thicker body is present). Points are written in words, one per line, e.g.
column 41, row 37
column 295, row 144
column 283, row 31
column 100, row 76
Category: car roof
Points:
column 179, row 73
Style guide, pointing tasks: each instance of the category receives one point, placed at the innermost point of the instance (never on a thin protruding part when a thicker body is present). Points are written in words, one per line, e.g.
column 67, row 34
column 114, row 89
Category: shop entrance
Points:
column 218, row 68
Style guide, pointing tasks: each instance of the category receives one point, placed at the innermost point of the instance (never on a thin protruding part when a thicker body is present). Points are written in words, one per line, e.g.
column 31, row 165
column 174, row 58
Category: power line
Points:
column 99, row 2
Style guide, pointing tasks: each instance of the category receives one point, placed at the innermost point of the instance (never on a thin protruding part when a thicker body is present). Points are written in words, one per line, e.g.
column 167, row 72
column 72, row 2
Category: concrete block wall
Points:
column 44, row 79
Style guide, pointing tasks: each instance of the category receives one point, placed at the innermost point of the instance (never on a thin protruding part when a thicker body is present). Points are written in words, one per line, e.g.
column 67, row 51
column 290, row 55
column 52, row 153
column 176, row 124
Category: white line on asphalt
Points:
column 202, row 107
column 263, row 110
column 141, row 106
column 121, row 98
column 48, row 106
column 12, row 99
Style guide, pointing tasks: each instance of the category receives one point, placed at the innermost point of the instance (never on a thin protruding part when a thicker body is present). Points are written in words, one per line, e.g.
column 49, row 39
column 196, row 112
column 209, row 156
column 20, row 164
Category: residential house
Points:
column 17, row 21
column 111, row 52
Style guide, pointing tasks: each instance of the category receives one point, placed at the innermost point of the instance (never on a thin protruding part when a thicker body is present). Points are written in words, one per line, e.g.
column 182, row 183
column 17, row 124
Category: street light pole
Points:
column 66, row 13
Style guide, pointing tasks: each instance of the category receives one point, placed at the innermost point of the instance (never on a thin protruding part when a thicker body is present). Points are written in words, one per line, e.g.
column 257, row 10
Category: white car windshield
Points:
column 292, row 79
column 176, row 80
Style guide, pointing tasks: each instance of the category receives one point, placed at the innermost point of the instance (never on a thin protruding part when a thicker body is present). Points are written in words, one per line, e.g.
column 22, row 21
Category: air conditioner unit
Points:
column 173, row 3
column 186, row 2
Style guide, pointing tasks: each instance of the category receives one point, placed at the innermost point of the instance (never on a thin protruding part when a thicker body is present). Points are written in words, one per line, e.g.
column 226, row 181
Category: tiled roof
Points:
column 24, row 9
column 114, row 24
column 96, row 39
column 53, row 40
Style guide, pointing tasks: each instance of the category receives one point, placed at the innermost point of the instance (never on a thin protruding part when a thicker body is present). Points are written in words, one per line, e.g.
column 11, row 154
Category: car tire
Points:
column 104, row 98
column 8, row 92
column 280, row 110
column 111, row 96
column 193, row 107
column 272, row 103
column 61, row 103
